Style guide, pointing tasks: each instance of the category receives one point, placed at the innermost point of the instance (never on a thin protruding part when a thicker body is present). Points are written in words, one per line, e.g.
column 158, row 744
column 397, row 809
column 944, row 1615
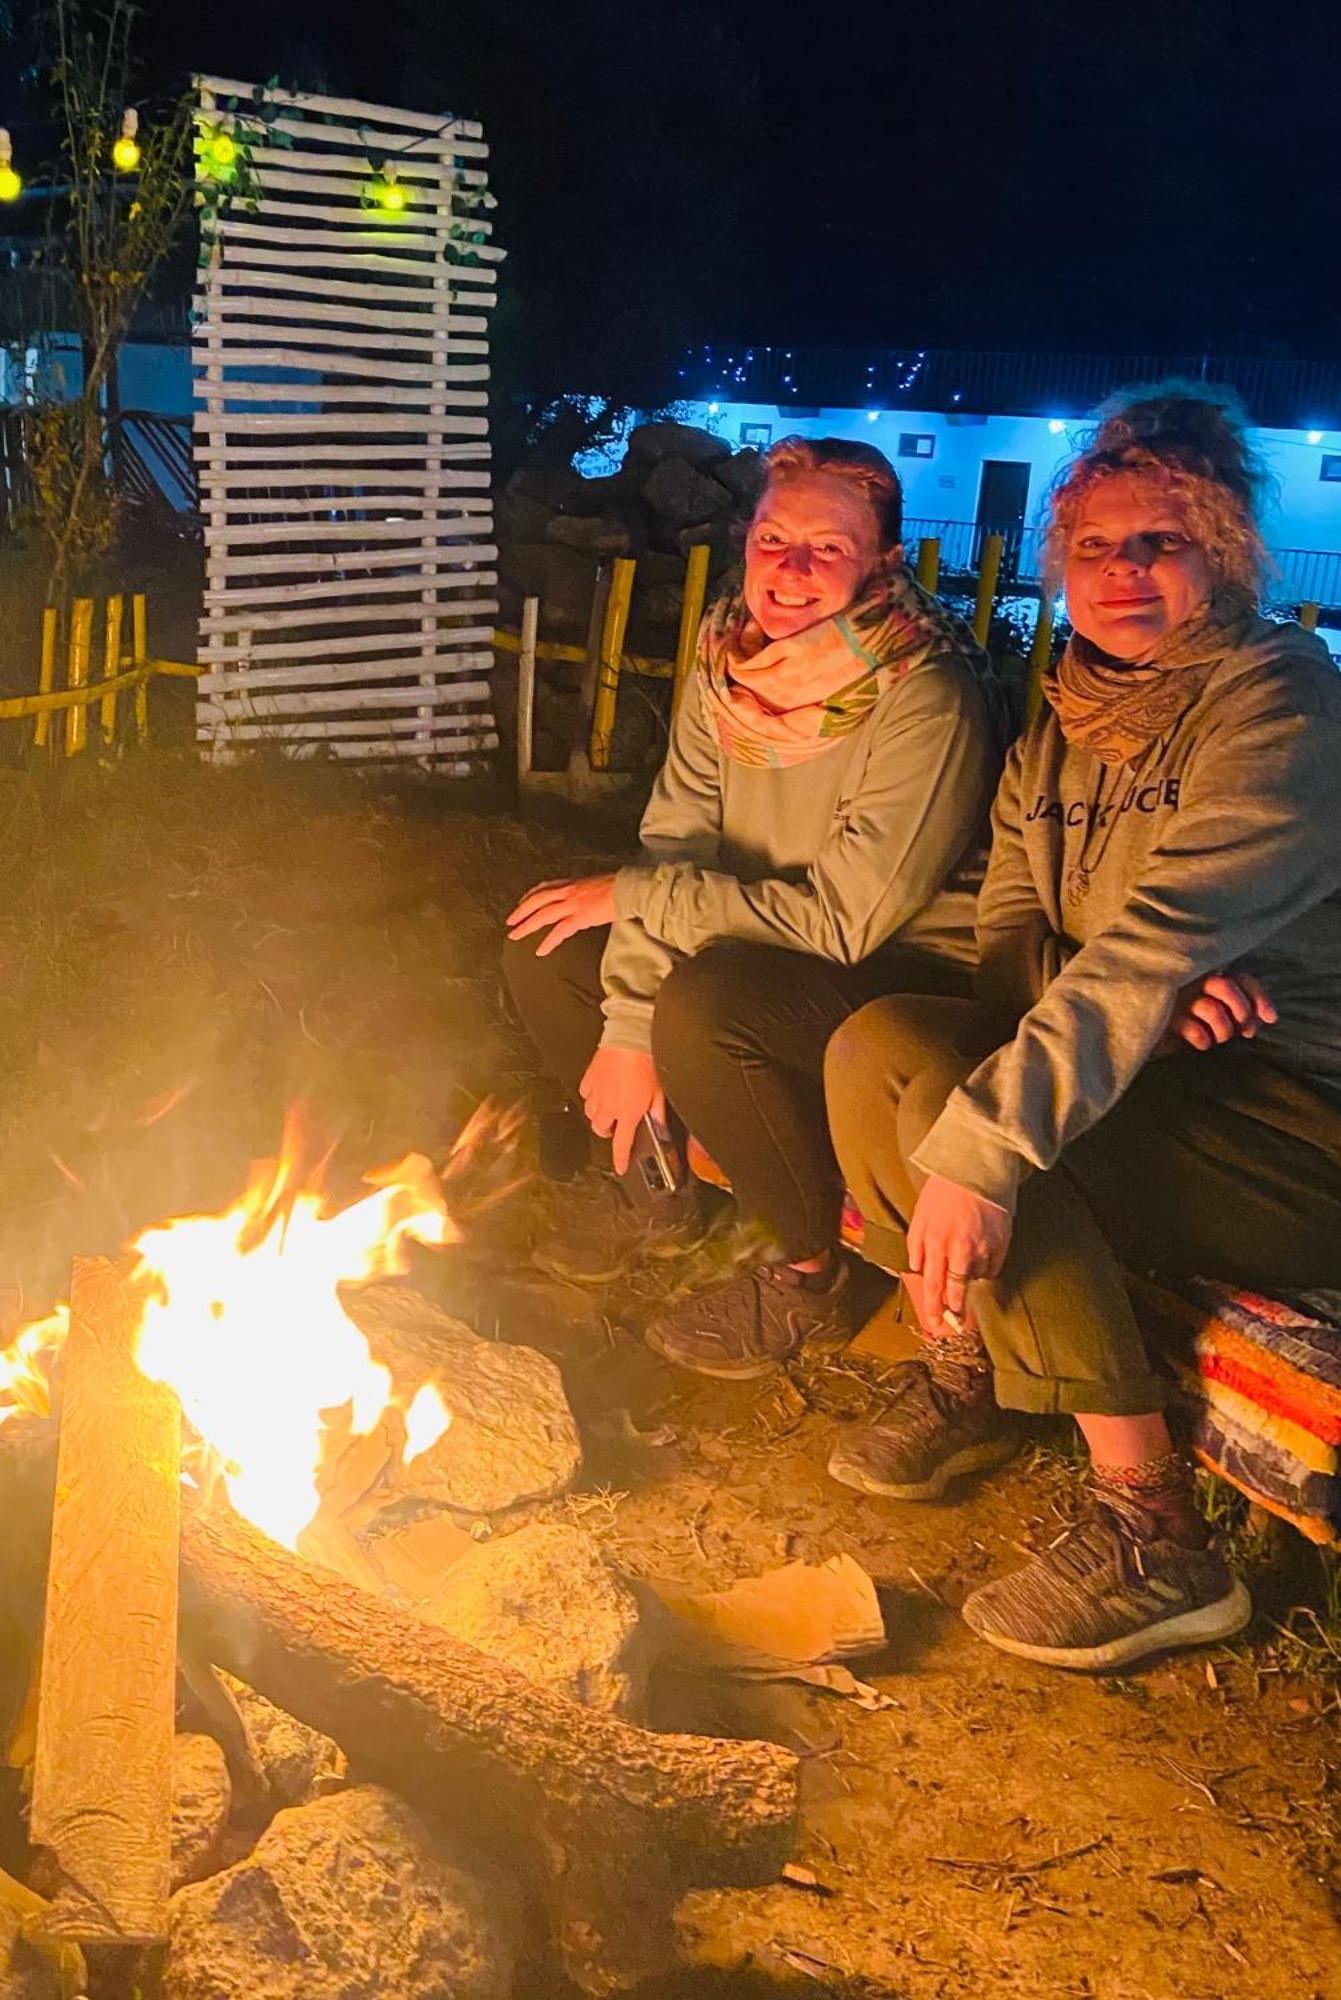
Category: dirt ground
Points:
column 185, row 953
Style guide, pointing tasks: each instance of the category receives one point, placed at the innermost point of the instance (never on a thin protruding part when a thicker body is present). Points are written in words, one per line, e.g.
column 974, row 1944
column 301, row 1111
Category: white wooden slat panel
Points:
column 350, row 606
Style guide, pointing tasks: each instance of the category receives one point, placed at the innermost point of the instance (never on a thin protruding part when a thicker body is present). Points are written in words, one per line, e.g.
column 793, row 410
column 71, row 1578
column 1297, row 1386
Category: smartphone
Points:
column 655, row 1159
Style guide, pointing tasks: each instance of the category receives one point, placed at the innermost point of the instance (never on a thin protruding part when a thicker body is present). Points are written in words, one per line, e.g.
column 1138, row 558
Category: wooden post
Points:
column 612, row 647
column 111, row 661
column 988, row 572
column 81, row 645
column 691, row 614
column 102, row 1777
column 1040, row 656
column 139, row 657
column 530, row 627
column 1308, row 616
column 46, row 673
column 929, row 562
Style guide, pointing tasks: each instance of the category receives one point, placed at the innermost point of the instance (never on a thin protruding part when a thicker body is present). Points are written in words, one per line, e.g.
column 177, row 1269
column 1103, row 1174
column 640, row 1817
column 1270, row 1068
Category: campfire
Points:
column 195, row 1427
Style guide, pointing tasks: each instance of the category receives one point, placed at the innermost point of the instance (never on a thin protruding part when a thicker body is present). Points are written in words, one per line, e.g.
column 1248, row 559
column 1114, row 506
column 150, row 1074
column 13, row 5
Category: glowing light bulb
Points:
column 873, row 416
column 1056, row 426
column 220, row 152
column 11, row 183
column 126, row 151
column 1315, row 437
column 388, row 192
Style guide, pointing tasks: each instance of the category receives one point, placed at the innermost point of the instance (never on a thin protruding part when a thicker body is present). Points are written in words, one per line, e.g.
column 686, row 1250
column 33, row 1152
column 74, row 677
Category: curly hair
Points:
column 1190, row 439
column 860, row 464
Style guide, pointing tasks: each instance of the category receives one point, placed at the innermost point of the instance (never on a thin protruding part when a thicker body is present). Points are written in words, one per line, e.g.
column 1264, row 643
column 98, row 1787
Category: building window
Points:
column 756, row 434
column 1331, row 466
column 917, row 444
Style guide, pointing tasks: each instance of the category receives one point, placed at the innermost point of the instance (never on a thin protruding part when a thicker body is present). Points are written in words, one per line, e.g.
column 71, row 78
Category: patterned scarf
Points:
column 782, row 702
column 1118, row 711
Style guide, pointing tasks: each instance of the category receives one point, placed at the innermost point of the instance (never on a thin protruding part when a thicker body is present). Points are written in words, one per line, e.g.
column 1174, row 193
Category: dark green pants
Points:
column 1214, row 1165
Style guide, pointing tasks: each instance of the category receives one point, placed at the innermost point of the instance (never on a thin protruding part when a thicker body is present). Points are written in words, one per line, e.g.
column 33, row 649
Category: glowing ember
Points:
column 245, row 1323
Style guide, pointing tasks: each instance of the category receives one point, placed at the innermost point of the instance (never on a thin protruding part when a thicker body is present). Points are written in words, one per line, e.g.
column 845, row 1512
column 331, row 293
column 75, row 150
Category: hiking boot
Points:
column 1113, row 1590
column 945, row 1423
column 750, row 1324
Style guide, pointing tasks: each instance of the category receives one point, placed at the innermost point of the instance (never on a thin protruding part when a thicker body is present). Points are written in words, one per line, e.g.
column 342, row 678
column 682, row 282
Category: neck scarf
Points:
column 775, row 703
column 1118, row 711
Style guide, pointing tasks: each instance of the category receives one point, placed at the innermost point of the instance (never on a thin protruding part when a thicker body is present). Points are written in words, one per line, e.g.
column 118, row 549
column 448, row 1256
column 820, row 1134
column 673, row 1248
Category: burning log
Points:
column 102, row 1778
column 616, row 1822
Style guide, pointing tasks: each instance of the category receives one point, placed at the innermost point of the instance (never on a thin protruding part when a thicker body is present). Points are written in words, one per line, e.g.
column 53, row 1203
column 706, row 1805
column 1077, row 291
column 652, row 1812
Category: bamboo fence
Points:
column 341, row 359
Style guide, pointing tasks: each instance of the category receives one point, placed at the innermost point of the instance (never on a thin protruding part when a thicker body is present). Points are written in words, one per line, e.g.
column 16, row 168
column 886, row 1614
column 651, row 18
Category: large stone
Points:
column 202, row 1798
column 653, row 442
column 297, row 1763
column 545, row 1600
column 678, row 495
column 347, row 1898
column 561, row 578
column 608, row 491
column 24, row 1973
column 518, row 519
column 595, row 534
column 512, row 1436
column 725, row 541
column 554, row 486
column 743, row 476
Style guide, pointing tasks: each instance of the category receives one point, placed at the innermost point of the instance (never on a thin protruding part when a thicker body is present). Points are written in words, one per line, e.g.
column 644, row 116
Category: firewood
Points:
column 102, row 1775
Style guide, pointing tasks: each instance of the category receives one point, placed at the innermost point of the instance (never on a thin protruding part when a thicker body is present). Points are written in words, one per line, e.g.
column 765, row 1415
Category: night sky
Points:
column 953, row 173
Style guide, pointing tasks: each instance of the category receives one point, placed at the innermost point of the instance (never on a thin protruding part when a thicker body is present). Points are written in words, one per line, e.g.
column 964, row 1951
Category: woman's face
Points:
column 1133, row 571
column 812, row 544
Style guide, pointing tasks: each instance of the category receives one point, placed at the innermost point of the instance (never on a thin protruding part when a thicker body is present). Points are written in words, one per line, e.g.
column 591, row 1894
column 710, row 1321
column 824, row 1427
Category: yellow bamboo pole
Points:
column 612, row 647
column 1040, row 656
column 691, row 615
column 1308, row 617
column 46, row 674
column 81, row 645
column 988, row 573
column 111, row 661
column 139, row 655
column 929, row 562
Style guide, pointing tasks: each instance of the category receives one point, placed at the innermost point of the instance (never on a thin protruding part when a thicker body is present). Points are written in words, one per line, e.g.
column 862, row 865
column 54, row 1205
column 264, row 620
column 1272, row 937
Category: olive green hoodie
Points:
column 883, row 835
column 1218, row 846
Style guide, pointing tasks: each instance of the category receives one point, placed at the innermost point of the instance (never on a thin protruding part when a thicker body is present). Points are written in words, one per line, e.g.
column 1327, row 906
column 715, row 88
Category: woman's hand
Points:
column 618, row 1090
column 1217, row 1008
column 954, row 1235
column 564, row 908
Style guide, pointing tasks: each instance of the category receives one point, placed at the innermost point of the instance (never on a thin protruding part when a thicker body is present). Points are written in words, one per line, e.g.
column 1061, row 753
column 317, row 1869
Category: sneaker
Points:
column 1111, row 1591
column 938, row 1430
column 750, row 1324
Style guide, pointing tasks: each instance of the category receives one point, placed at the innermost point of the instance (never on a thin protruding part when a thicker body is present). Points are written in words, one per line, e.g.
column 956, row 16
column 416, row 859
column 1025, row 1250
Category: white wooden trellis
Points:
column 341, row 434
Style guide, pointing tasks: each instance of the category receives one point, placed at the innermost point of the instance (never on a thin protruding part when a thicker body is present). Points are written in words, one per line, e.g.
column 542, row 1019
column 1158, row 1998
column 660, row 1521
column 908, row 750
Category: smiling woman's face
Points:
column 812, row 544
column 1133, row 571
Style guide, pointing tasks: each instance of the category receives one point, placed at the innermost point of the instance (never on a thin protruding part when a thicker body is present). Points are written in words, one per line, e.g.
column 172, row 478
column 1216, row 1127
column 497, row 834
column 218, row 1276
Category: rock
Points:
column 608, row 491
column 653, row 442
column 725, row 540
column 512, row 1436
column 593, row 534
column 24, row 1973
column 554, row 486
column 517, row 519
column 348, row 1897
column 546, row 1601
column 297, row 1763
column 562, row 579
column 678, row 495
column 202, row 1798
column 743, row 476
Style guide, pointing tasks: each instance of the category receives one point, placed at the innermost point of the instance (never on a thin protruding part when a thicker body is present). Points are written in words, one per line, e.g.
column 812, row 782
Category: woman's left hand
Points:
column 954, row 1236
column 563, row 909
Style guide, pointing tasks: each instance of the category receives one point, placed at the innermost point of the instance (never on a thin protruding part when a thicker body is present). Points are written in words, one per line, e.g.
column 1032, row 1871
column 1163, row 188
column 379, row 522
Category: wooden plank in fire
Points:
column 102, row 1781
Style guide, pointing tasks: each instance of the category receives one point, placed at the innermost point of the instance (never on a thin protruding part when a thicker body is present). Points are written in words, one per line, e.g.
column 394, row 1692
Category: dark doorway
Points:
column 1003, row 495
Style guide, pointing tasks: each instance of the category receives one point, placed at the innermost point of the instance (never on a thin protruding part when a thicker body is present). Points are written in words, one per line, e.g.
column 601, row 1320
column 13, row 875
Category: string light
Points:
column 11, row 183
column 126, row 151
column 219, row 152
column 387, row 192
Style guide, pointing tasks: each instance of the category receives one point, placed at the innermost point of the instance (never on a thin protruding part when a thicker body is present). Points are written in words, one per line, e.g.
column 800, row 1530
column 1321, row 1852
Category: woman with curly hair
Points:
column 1150, row 1074
column 815, row 837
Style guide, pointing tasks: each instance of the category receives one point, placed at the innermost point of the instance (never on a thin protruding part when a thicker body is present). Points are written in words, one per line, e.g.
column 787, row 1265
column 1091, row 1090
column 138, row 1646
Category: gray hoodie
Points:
column 882, row 835
column 1219, row 846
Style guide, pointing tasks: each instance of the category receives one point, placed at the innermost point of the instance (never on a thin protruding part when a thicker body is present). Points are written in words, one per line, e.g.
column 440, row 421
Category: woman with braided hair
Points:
column 1149, row 1075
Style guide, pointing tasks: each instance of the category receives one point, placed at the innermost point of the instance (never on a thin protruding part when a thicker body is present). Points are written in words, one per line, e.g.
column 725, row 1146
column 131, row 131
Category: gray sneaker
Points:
column 937, row 1431
column 1113, row 1590
column 750, row 1324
